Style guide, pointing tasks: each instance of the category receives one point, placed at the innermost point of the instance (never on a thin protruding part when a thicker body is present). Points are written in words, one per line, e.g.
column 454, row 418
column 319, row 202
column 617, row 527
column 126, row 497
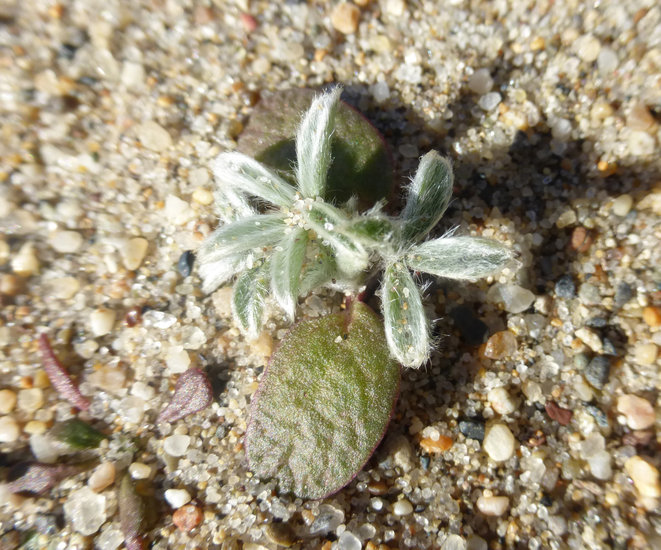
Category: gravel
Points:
column 111, row 114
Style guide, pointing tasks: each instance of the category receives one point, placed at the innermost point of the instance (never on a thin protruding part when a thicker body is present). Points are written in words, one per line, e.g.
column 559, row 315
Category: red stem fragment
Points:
column 37, row 478
column 192, row 393
column 59, row 377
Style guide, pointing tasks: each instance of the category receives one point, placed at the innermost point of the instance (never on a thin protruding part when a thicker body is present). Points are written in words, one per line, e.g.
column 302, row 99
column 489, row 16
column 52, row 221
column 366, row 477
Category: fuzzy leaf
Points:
column 192, row 393
column 428, row 196
column 319, row 268
column 231, row 206
column 372, row 230
column 226, row 250
column 37, row 478
column 361, row 165
column 242, row 174
column 459, row 257
column 286, row 265
column 330, row 224
column 78, row 434
column 250, row 291
column 313, row 144
column 323, row 404
column 407, row 329
column 132, row 514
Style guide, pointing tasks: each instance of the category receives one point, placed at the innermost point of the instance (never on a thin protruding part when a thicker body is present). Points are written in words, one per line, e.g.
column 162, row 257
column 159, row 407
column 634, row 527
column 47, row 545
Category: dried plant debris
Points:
column 39, row 478
column 132, row 514
column 192, row 393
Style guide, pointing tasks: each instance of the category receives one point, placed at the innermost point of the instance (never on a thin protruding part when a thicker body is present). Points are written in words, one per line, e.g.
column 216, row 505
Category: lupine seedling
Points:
column 328, row 393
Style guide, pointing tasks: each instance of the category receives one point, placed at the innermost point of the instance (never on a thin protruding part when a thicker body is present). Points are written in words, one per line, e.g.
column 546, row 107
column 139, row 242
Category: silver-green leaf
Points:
column 248, row 297
column 286, row 266
column 313, row 144
column 459, row 257
column 407, row 329
column 319, row 268
column 428, row 196
column 243, row 174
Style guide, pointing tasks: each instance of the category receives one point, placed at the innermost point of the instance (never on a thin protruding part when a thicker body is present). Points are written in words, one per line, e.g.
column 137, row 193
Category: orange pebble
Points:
column 652, row 316
column 435, row 447
column 187, row 517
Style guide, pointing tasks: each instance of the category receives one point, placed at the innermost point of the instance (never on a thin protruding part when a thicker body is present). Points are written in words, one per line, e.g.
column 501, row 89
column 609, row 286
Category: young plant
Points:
column 300, row 241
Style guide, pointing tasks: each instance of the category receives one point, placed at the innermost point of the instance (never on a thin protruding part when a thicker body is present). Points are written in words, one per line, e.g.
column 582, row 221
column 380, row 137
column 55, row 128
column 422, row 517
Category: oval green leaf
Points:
column 323, row 404
column 361, row 166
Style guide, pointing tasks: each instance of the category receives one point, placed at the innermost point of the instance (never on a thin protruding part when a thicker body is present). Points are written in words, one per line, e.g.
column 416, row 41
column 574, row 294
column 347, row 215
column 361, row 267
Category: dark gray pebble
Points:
column 185, row 263
column 598, row 371
column 565, row 287
column 472, row 429
column 623, row 293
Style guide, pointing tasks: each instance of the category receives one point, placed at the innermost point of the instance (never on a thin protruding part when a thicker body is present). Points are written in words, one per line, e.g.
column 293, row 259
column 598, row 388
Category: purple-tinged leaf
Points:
column 59, row 377
column 37, row 478
column 131, row 514
column 192, row 393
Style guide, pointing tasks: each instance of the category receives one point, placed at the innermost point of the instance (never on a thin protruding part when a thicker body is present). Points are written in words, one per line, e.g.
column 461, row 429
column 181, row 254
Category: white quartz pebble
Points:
column 9, row 430
column 65, row 241
column 101, row 321
column 177, row 497
column 133, row 252
column 176, row 445
column 402, row 508
column 493, row 505
column 102, row 477
column 499, row 443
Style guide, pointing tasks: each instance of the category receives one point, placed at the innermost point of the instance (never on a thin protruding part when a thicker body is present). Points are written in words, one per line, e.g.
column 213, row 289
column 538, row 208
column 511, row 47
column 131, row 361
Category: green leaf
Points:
column 313, row 144
column 459, row 257
column 248, row 297
column 361, row 162
column 330, row 225
column 78, row 434
column 406, row 325
column 286, row 265
column 240, row 173
column 323, row 404
column 372, row 231
column 428, row 196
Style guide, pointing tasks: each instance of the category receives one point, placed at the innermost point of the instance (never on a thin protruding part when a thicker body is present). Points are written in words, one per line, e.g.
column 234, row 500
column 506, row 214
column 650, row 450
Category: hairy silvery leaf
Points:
column 249, row 295
column 243, row 174
column 286, row 265
column 459, row 257
column 330, row 225
column 231, row 206
column 313, row 144
column 373, row 231
column 406, row 325
column 428, row 196
column 319, row 268
column 323, row 404
column 227, row 249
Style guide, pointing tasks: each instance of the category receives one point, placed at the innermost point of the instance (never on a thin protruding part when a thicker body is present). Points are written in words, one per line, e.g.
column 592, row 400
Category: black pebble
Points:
column 472, row 429
column 565, row 287
column 185, row 263
column 598, row 371
column 546, row 500
column 623, row 293
column 424, row 462
column 599, row 415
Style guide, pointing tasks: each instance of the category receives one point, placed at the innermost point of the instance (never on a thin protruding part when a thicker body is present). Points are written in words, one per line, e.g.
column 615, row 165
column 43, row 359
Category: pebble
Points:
column 645, row 353
column 328, row 519
column 102, row 321
column 402, row 508
column 641, row 144
column 7, row 401
column 202, row 196
column 131, row 409
column 589, row 294
column 177, row 497
column 64, row 288
column 35, row 427
column 645, row 477
column 500, row 345
column 559, row 414
column 598, row 371
column 10, row 284
column 472, row 429
column 533, row 391
column 640, row 118
column 177, row 359
column 153, row 136
column 222, row 301
column 440, row 445
column 348, row 541
column 588, row 48
column 480, row 82
column 30, row 400
column 402, row 453
column 185, row 263
column 454, row 542
column 25, row 263
column 501, row 401
column 567, row 218
column 590, row 338
column 108, row 378
column 85, row 510
column 565, row 287
column 581, row 239
column 488, row 102
column 138, row 470
column 65, row 242
column 102, row 477
column 133, row 252
column 345, row 17
column 639, row 412
column 623, row 293
column 475, row 542
column 499, row 443
column 9, row 429
column 176, row 445
column 622, row 205
column 652, row 316
column 600, row 465
column 177, row 211
column 187, row 517
column 493, row 505
column 515, row 299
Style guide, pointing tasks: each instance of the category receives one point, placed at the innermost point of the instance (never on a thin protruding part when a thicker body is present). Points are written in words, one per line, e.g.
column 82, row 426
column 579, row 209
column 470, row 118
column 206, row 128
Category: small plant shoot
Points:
column 283, row 234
